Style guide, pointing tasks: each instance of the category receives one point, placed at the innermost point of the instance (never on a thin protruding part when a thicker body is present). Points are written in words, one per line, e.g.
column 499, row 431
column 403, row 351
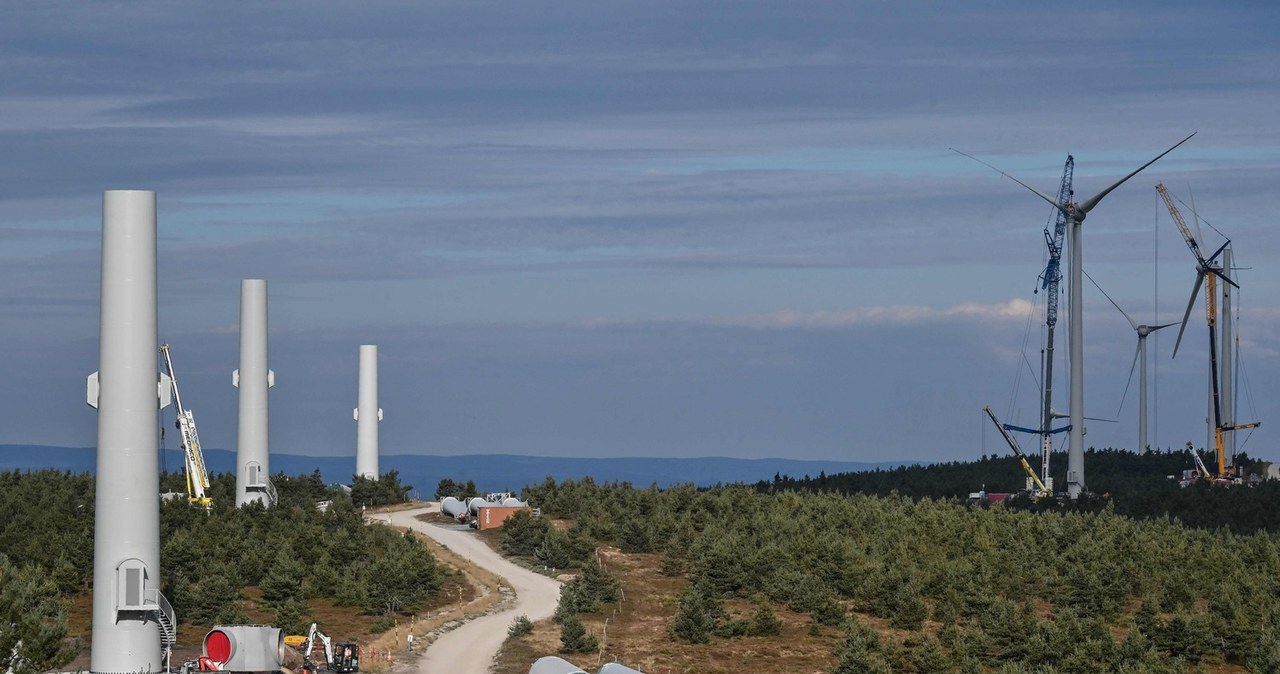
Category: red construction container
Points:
column 492, row 517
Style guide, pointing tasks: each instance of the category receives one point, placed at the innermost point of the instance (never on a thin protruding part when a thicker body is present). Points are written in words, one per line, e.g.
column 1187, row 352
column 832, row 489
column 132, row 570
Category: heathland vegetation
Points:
column 887, row 571
column 935, row 585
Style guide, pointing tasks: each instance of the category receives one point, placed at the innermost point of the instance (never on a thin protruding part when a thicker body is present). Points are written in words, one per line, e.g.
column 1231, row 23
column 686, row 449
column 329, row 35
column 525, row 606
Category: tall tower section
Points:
column 253, row 463
column 133, row 624
column 367, row 414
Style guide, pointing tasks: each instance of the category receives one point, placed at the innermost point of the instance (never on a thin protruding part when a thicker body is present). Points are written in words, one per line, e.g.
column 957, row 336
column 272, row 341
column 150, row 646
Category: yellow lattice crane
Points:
column 1207, row 273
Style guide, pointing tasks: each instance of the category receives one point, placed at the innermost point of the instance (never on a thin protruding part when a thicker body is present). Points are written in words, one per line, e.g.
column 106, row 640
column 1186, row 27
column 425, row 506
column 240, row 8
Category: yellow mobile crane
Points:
column 1039, row 489
column 1207, row 273
column 197, row 476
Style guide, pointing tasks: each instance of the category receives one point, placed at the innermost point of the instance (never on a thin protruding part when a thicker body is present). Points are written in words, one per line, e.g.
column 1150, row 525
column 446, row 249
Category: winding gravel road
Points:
column 470, row 649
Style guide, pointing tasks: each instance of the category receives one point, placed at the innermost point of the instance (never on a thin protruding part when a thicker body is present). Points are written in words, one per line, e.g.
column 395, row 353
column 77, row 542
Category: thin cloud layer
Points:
column 883, row 316
column 673, row 226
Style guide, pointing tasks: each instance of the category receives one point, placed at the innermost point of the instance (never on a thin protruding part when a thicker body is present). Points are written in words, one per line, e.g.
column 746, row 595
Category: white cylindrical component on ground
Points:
column 126, row 543
column 367, row 414
column 553, row 665
column 617, row 668
column 453, row 507
column 475, row 504
column 513, row 502
column 253, row 467
column 246, row 648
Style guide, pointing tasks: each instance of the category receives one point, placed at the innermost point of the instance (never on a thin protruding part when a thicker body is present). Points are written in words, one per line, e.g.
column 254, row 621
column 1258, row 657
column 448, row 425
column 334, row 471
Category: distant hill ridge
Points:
column 491, row 472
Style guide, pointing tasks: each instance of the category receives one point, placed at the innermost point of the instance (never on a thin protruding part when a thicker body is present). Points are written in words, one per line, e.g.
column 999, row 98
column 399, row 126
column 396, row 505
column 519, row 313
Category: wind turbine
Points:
column 1075, row 214
column 1139, row 353
column 1206, row 269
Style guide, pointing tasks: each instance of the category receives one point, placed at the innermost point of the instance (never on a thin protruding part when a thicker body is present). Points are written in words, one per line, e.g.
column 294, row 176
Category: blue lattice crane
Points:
column 1049, row 281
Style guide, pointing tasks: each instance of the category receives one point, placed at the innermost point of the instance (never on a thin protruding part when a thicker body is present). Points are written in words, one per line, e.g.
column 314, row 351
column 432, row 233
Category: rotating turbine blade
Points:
column 1052, row 202
column 1218, row 272
column 1093, row 201
column 1137, row 349
column 1059, row 415
column 1190, row 303
column 1113, row 302
column 1153, row 328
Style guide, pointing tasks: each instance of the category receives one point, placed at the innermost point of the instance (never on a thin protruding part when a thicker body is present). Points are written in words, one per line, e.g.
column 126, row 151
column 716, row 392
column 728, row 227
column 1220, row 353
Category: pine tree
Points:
column 284, row 578
column 764, row 623
column 574, row 637
column 33, row 622
column 520, row 626
column 1266, row 659
column 696, row 618
column 860, row 653
column 292, row 616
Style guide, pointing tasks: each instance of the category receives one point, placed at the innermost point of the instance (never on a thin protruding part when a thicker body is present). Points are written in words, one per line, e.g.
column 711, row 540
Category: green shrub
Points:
column 520, row 627
column 574, row 637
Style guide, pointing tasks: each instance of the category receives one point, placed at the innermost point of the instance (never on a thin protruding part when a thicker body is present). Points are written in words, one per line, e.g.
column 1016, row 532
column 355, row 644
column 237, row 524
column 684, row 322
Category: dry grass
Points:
column 636, row 634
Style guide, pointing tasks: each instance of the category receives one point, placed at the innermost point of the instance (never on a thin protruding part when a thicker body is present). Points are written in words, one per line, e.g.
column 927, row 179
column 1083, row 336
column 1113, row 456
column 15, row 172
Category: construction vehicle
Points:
column 1034, row 485
column 197, row 476
column 1207, row 274
column 343, row 656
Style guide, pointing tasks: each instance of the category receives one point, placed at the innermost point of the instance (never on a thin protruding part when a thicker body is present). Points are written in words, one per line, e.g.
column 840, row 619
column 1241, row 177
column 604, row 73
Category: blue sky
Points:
column 635, row 228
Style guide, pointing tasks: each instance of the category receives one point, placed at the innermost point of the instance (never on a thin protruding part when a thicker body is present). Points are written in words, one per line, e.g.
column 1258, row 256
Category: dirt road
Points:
column 470, row 649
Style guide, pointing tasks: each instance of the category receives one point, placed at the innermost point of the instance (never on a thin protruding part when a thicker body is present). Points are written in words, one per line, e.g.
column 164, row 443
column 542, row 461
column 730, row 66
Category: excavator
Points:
column 343, row 656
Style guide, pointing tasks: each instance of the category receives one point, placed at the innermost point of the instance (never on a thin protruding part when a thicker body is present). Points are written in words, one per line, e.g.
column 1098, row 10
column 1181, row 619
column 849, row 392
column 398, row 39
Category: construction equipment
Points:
column 197, row 476
column 1050, row 280
column 1207, row 273
column 1034, row 485
column 343, row 656
column 1204, row 471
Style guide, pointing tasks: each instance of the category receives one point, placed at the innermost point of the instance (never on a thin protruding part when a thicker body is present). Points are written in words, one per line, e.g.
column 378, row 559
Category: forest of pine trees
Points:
column 963, row 588
column 291, row 552
column 1150, row 578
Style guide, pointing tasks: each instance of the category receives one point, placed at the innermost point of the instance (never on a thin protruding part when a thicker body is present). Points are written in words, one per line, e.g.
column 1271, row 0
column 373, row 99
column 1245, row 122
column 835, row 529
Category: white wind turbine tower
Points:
column 1075, row 214
column 1139, row 354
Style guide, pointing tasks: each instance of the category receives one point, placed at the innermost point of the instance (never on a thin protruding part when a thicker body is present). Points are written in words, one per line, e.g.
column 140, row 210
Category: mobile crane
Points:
column 1207, row 273
column 341, row 657
column 1034, row 485
column 197, row 476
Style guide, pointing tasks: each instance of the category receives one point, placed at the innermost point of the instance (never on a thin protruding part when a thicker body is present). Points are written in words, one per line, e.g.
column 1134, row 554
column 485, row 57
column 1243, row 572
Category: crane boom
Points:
column 1052, row 275
column 1013, row 444
column 1207, row 273
column 197, row 475
column 1051, row 278
column 1177, row 219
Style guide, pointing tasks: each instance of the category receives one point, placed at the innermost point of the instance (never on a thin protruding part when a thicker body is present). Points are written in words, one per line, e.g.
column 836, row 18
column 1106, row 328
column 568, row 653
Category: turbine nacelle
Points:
column 1144, row 330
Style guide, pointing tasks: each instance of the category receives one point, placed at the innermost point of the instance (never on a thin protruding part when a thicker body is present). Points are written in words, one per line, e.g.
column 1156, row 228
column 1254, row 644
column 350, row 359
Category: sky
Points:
column 648, row 228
